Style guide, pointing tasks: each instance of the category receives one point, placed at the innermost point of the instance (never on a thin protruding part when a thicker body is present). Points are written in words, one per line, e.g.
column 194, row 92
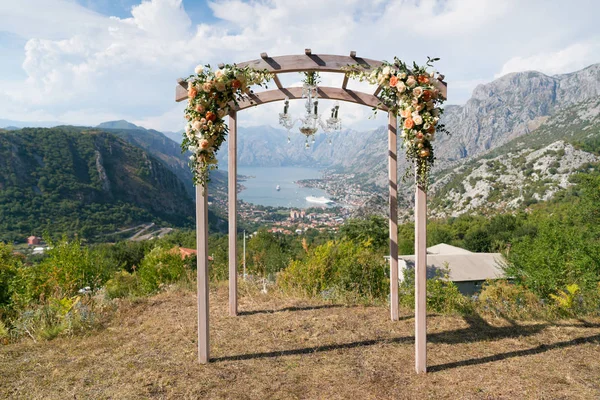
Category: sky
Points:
column 83, row 62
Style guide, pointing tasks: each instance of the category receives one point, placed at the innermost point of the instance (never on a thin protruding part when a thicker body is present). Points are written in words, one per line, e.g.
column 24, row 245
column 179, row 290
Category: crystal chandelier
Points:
column 311, row 121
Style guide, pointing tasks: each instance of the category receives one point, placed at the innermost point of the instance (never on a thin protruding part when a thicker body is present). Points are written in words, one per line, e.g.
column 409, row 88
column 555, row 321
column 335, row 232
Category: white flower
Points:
column 193, row 149
column 386, row 70
column 418, row 91
column 199, row 68
column 192, row 157
column 196, row 125
column 411, row 81
column 426, row 125
column 402, row 75
column 400, row 86
column 218, row 73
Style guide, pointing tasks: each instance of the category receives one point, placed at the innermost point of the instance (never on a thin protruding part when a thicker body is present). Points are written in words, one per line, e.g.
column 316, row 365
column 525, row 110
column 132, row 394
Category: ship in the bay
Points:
column 318, row 200
column 278, row 188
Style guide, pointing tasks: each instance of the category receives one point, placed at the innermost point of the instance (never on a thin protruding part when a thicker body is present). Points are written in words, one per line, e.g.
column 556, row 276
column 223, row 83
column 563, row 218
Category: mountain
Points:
column 511, row 106
column 85, row 181
column 10, row 124
column 527, row 169
column 120, row 124
column 158, row 145
column 177, row 137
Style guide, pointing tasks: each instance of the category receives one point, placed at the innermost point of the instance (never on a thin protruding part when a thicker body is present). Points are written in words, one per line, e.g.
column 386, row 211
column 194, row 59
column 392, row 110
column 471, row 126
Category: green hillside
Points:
column 157, row 145
column 527, row 169
column 68, row 180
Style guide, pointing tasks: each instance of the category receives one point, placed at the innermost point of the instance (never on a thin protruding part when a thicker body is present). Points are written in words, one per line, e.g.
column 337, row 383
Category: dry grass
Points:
column 303, row 350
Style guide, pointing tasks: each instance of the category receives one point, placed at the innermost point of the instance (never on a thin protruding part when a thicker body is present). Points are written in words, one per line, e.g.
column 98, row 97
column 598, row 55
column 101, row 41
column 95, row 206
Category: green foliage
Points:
column 161, row 267
column 123, row 284
column 443, row 295
column 4, row 334
column 69, row 267
column 269, row 253
column 373, row 230
column 9, row 271
column 565, row 300
column 504, row 299
column 71, row 181
column 338, row 269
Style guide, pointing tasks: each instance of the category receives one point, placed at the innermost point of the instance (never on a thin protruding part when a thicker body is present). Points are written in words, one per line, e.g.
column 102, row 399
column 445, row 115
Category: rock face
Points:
column 511, row 106
column 526, row 170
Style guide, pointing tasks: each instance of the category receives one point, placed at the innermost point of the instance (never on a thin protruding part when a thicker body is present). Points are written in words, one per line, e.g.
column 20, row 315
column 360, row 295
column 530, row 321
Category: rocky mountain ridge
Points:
column 528, row 169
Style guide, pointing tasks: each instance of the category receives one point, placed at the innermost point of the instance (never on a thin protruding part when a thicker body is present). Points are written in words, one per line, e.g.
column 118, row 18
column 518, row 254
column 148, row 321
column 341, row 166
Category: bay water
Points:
column 261, row 186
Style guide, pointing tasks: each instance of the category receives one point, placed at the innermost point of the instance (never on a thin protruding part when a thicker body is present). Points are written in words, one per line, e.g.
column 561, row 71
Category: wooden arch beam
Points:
column 295, row 93
column 309, row 62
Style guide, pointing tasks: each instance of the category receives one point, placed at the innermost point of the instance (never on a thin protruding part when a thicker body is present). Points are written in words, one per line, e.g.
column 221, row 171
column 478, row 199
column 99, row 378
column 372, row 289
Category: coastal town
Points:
column 344, row 197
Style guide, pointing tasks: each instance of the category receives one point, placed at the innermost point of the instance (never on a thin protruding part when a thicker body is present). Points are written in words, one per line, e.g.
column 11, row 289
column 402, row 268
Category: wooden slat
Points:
column 420, row 280
column 277, row 82
column 377, row 91
column 181, row 92
column 393, row 223
column 202, row 273
column 324, row 93
column 232, row 205
column 345, row 82
column 312, row 62
column 444, row 90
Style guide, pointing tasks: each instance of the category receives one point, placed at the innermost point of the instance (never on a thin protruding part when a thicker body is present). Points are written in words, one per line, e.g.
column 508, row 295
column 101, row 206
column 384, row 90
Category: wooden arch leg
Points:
column 420, row 279
column 393, row 197
column 232, row 203
column 202, row 272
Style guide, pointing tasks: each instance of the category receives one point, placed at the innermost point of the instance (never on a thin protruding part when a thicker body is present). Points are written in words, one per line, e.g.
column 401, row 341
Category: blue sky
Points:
column 88, row 61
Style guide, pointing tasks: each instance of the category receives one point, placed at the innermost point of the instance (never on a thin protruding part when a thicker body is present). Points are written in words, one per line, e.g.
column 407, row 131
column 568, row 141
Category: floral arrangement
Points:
column 211, row 96
column 415, row 95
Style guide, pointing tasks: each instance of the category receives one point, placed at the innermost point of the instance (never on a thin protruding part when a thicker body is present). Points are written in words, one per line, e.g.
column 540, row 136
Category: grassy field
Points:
column 285, row 348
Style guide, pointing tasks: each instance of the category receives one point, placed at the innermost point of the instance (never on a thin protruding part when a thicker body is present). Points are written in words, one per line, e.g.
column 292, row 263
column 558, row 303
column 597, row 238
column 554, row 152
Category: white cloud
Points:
column 82, row 66
column 568, row 59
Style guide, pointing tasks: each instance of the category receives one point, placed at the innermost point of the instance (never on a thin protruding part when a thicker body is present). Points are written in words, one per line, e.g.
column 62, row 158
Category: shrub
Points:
column 338, row 269
column 57, row 316
column 160, row 267
column 505, row 299
column 3, row 332
column 68, row 268
column 443, row 295
column 122, row 284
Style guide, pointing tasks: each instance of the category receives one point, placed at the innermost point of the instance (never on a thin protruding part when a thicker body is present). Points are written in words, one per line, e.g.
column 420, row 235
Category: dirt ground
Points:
column 286, row 348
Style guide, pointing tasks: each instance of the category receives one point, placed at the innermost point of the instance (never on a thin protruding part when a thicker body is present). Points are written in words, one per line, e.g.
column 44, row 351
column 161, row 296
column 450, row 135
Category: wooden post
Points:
column 232, row 197
column 420, row 279
column 202, row 272
column 393, row 184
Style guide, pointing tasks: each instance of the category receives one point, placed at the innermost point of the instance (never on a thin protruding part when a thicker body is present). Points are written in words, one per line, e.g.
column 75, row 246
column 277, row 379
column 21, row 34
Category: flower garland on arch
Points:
column 211, row 96
column 413, row 94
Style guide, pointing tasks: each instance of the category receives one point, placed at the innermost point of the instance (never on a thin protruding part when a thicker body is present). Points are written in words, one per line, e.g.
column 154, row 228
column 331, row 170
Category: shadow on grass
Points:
column 517, row 353
column 478, row 330
column 293, row 308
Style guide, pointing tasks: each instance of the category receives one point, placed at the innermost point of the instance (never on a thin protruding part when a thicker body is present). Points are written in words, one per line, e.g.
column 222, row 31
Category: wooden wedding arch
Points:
column 304, row 63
